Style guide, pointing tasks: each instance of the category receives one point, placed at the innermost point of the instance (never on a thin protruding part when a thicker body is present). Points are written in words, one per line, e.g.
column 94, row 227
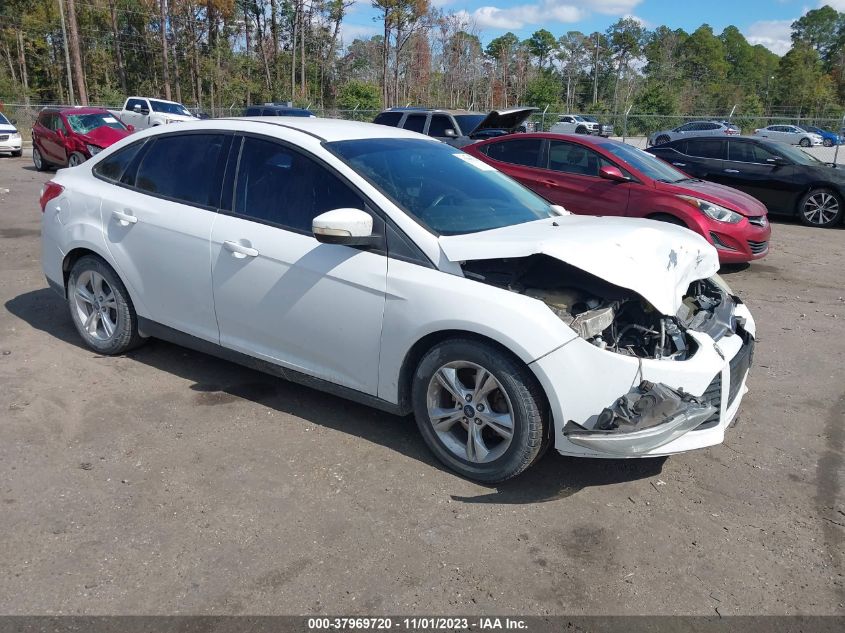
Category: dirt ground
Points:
column 168, row 482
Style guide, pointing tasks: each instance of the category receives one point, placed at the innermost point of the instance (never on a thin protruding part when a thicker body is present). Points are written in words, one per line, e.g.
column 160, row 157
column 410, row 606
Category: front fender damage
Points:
column 645, row 418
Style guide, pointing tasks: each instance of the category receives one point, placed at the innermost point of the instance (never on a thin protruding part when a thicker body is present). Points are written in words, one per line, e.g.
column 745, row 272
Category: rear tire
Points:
column 38, row 160
column 101, row 308
column 804, row 142
column 827, row 142
column 821, row 208
column 480, row 411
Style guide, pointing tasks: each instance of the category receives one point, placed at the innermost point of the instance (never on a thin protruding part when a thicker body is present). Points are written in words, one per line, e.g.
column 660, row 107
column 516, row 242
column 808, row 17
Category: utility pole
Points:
column 596, row 72
column 67, row 55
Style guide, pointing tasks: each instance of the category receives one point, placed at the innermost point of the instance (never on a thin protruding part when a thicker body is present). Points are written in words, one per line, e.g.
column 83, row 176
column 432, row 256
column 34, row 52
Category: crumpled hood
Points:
column 656, row 260
column 104, row 136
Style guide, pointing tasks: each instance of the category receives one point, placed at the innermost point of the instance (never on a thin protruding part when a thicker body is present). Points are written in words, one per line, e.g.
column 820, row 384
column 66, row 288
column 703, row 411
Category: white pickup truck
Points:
column 143, row 112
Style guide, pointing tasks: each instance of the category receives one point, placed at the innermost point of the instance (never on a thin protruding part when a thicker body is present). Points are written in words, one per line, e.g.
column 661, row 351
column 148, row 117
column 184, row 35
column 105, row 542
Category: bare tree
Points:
column 76, row 53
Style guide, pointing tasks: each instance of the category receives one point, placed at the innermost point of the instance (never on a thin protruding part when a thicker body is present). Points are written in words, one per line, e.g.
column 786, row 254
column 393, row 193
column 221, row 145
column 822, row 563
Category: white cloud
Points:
column 776, row 35
column 839, row 5
column 544, row 12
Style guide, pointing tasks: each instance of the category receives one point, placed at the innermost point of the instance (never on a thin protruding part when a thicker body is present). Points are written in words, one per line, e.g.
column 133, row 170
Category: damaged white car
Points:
column 385, row 267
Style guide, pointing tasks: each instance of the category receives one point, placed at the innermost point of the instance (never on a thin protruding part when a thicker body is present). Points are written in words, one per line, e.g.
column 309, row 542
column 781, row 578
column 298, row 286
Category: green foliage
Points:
column 542, row 91
column 358, row 94
column 541, row 44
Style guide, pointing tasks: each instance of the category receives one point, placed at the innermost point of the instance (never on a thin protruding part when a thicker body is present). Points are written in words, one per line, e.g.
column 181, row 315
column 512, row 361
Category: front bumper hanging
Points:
column 645, row 418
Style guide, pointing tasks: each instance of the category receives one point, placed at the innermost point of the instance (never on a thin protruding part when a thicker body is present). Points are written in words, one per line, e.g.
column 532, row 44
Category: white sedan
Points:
column 391, row 269
column 790, row 134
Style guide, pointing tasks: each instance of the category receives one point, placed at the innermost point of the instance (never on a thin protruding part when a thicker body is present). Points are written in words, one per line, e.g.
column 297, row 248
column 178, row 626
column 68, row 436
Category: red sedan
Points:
column 597, row 176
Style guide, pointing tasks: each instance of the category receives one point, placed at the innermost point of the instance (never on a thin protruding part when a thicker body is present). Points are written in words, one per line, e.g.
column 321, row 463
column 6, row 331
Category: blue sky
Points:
column 762, row 21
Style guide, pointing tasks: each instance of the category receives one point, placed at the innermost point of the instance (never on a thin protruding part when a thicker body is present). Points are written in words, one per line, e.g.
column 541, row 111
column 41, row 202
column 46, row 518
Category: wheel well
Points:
column 71, row 258
column 667, row 217
column 422, row 346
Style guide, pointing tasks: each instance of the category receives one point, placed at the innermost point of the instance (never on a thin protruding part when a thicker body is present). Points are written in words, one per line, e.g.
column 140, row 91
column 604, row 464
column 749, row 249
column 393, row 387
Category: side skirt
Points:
column 156, row 330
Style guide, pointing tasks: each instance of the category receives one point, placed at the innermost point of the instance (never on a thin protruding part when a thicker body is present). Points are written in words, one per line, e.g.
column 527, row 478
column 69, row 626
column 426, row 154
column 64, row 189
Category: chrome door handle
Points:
column 124, row 218
column 679, row 164
column 239, row 250
column 731, row 171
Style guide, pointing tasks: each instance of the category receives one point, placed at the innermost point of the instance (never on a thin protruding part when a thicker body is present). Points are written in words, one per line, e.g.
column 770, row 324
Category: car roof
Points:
column 442, row 110
column 75, row 110
column 155, row 99
column 328, row 130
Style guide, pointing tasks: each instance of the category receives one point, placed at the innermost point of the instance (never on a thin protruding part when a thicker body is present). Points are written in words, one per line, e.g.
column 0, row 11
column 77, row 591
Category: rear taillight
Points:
column 48, row 192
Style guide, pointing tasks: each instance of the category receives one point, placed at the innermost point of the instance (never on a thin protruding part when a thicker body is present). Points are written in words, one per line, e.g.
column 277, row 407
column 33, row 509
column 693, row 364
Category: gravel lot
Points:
column 167, row 481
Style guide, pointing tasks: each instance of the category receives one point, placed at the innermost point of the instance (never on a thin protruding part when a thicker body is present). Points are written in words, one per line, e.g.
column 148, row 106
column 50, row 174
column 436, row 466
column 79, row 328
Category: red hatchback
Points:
column 597, row 176
column 65, row 137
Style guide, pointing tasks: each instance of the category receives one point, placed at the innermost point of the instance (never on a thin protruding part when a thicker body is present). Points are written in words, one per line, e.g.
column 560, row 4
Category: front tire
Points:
column 821, row 208
column 660, row 140
column 481, row 411
column 827, row 142
column 581, row 130
column 101, row 308
column 38, row 160
column 668, row 219
column 804, row 142
column 75, row 159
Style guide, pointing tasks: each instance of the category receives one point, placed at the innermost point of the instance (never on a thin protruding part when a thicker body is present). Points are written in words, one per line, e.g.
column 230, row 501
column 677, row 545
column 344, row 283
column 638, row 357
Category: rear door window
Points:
column 706, row 148
column 184, row 167
column 524, row 152
column 388, row 118
column 415, row 123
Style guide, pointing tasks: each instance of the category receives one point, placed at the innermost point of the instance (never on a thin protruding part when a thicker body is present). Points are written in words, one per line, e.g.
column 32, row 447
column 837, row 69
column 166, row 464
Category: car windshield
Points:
column 4, row 120
column 469, row 122
column 644, row 162
column 169, row 108
column 796, row 155
column 443, row 188
column 84, row 123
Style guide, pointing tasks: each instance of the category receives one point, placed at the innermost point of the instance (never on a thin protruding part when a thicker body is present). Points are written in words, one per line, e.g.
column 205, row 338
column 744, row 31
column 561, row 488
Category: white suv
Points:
column 398, row 271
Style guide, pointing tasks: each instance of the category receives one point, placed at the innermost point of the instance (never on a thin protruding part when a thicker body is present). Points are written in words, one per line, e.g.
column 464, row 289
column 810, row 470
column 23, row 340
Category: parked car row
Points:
column 505, row 324
column 805, row 136
column 10, row 138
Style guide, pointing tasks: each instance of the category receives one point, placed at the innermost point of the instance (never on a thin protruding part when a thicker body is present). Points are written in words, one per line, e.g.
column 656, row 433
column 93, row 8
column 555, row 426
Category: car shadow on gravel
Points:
column 218, row 382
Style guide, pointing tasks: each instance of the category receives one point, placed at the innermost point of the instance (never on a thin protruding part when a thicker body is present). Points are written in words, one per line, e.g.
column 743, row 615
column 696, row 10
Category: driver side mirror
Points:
column 611, row 172
column 350, row 227
column 130, row 127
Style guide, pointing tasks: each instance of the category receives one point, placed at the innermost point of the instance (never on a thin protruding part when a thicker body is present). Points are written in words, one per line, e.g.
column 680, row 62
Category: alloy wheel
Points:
column 74, row 160
column 821, row 208
column 36, row 158
column 96, row 305
column 470, row 412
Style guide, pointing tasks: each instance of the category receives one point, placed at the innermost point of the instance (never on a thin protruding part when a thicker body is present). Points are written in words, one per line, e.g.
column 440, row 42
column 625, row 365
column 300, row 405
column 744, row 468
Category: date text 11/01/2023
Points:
column 416, row 623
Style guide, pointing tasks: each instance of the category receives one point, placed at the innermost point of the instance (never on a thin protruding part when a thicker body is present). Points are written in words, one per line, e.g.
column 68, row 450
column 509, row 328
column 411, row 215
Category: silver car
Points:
column 791, row 134
column 693, row 128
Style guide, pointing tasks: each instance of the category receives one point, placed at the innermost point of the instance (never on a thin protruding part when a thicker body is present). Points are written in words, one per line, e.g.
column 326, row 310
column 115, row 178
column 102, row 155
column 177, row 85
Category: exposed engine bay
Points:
column 606, row 315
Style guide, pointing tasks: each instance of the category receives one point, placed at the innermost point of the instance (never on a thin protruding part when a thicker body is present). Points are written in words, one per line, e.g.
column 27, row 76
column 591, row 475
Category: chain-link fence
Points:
column 633, row 128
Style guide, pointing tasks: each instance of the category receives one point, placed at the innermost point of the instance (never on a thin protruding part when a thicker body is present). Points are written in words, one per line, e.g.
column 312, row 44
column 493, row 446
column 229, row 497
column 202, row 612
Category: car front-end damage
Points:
column 638, row 380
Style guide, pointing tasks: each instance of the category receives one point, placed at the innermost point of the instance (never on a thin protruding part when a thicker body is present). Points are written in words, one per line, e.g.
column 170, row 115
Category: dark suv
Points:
column 275, row 109
column 456, row 127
